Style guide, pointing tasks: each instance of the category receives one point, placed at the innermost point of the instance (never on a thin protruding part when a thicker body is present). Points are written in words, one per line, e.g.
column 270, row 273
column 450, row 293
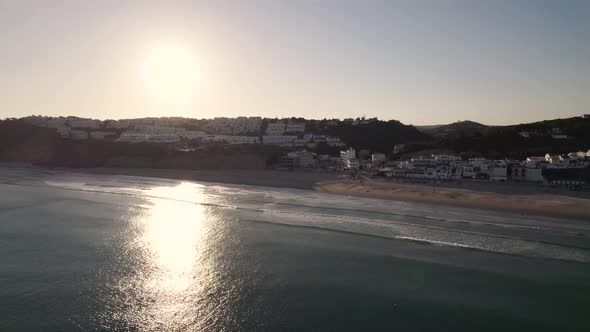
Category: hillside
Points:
column 522, row 140
column 465, row 128
column 21, row 142
column 379, row 136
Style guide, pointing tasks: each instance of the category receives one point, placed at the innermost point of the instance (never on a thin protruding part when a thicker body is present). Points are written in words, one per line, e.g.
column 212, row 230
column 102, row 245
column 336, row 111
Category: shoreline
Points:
column 509, row 197
column 264, row 178
column 529, row 203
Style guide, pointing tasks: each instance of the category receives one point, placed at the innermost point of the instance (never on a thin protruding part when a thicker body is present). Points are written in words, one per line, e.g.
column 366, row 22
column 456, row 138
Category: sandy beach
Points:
column 510, row 197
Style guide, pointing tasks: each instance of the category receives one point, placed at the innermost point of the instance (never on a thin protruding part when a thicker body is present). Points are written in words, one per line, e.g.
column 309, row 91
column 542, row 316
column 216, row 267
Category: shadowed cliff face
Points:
column 26, row 143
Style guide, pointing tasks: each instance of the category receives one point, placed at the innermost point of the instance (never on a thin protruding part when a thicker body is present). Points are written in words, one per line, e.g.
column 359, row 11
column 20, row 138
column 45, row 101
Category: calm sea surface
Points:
column 119, row 253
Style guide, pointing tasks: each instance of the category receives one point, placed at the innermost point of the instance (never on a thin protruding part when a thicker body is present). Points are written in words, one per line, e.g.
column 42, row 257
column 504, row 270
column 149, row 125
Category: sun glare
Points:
column 171, row 73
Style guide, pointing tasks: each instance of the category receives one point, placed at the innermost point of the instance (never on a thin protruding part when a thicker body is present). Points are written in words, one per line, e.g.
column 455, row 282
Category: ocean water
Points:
column 83, row 252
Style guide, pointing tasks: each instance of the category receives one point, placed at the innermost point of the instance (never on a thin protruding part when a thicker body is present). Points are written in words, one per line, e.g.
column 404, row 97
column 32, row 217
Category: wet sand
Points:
column 526, row 199
column 267, row 178
column 510, row 197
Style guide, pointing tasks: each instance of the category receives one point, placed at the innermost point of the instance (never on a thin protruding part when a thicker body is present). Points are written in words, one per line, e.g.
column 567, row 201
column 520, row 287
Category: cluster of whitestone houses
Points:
column 443, row 167
column 241, row 130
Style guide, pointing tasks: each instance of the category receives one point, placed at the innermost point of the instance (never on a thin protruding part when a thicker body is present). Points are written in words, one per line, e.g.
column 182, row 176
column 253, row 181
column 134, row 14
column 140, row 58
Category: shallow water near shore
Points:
column 98, row 252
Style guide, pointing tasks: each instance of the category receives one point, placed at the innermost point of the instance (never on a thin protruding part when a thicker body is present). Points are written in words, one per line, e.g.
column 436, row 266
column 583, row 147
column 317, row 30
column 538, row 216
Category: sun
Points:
column 171, row 74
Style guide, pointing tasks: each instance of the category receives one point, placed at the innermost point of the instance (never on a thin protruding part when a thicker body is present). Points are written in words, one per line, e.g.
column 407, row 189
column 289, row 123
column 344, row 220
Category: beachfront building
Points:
column 303, row 159
column 456, row 169
column 556, row 161
column 536, row 162
column 578, row 160
column 534, row 175
column 476, row 168
column 350, row 153
column 378, row 158
column 349, row 160
column 517, row 172
column 498, row 170
column 352, row 164
column 425, row 168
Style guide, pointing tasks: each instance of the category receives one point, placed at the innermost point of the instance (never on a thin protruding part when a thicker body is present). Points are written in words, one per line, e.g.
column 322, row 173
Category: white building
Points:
column 234, row 126
column 303, row 159
column 295, row 127
column 334, row 141
column 243, row 125
column 278, row 140
column 348, row 158
column 499, row 170
column 150, row 129
column 476, row 168
column 534, row 175
column 348, row 154
column 352, row 164
column 377, row 158
column 275, row 129
column 83, row 123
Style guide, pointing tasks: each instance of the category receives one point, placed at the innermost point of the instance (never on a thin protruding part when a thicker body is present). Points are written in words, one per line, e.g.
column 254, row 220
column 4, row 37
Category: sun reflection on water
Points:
column 175, row 244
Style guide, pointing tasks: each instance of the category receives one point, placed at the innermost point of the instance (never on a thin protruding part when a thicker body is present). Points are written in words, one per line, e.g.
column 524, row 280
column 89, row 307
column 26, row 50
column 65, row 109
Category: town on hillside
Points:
column 553, row 152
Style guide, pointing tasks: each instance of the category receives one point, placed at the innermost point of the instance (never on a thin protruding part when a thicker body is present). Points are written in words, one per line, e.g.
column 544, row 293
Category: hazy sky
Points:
column 421, row 62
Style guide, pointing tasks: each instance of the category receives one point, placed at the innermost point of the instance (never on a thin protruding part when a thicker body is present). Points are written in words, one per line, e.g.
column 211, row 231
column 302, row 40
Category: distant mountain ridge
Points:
column 516, row 141
column 466, row 127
